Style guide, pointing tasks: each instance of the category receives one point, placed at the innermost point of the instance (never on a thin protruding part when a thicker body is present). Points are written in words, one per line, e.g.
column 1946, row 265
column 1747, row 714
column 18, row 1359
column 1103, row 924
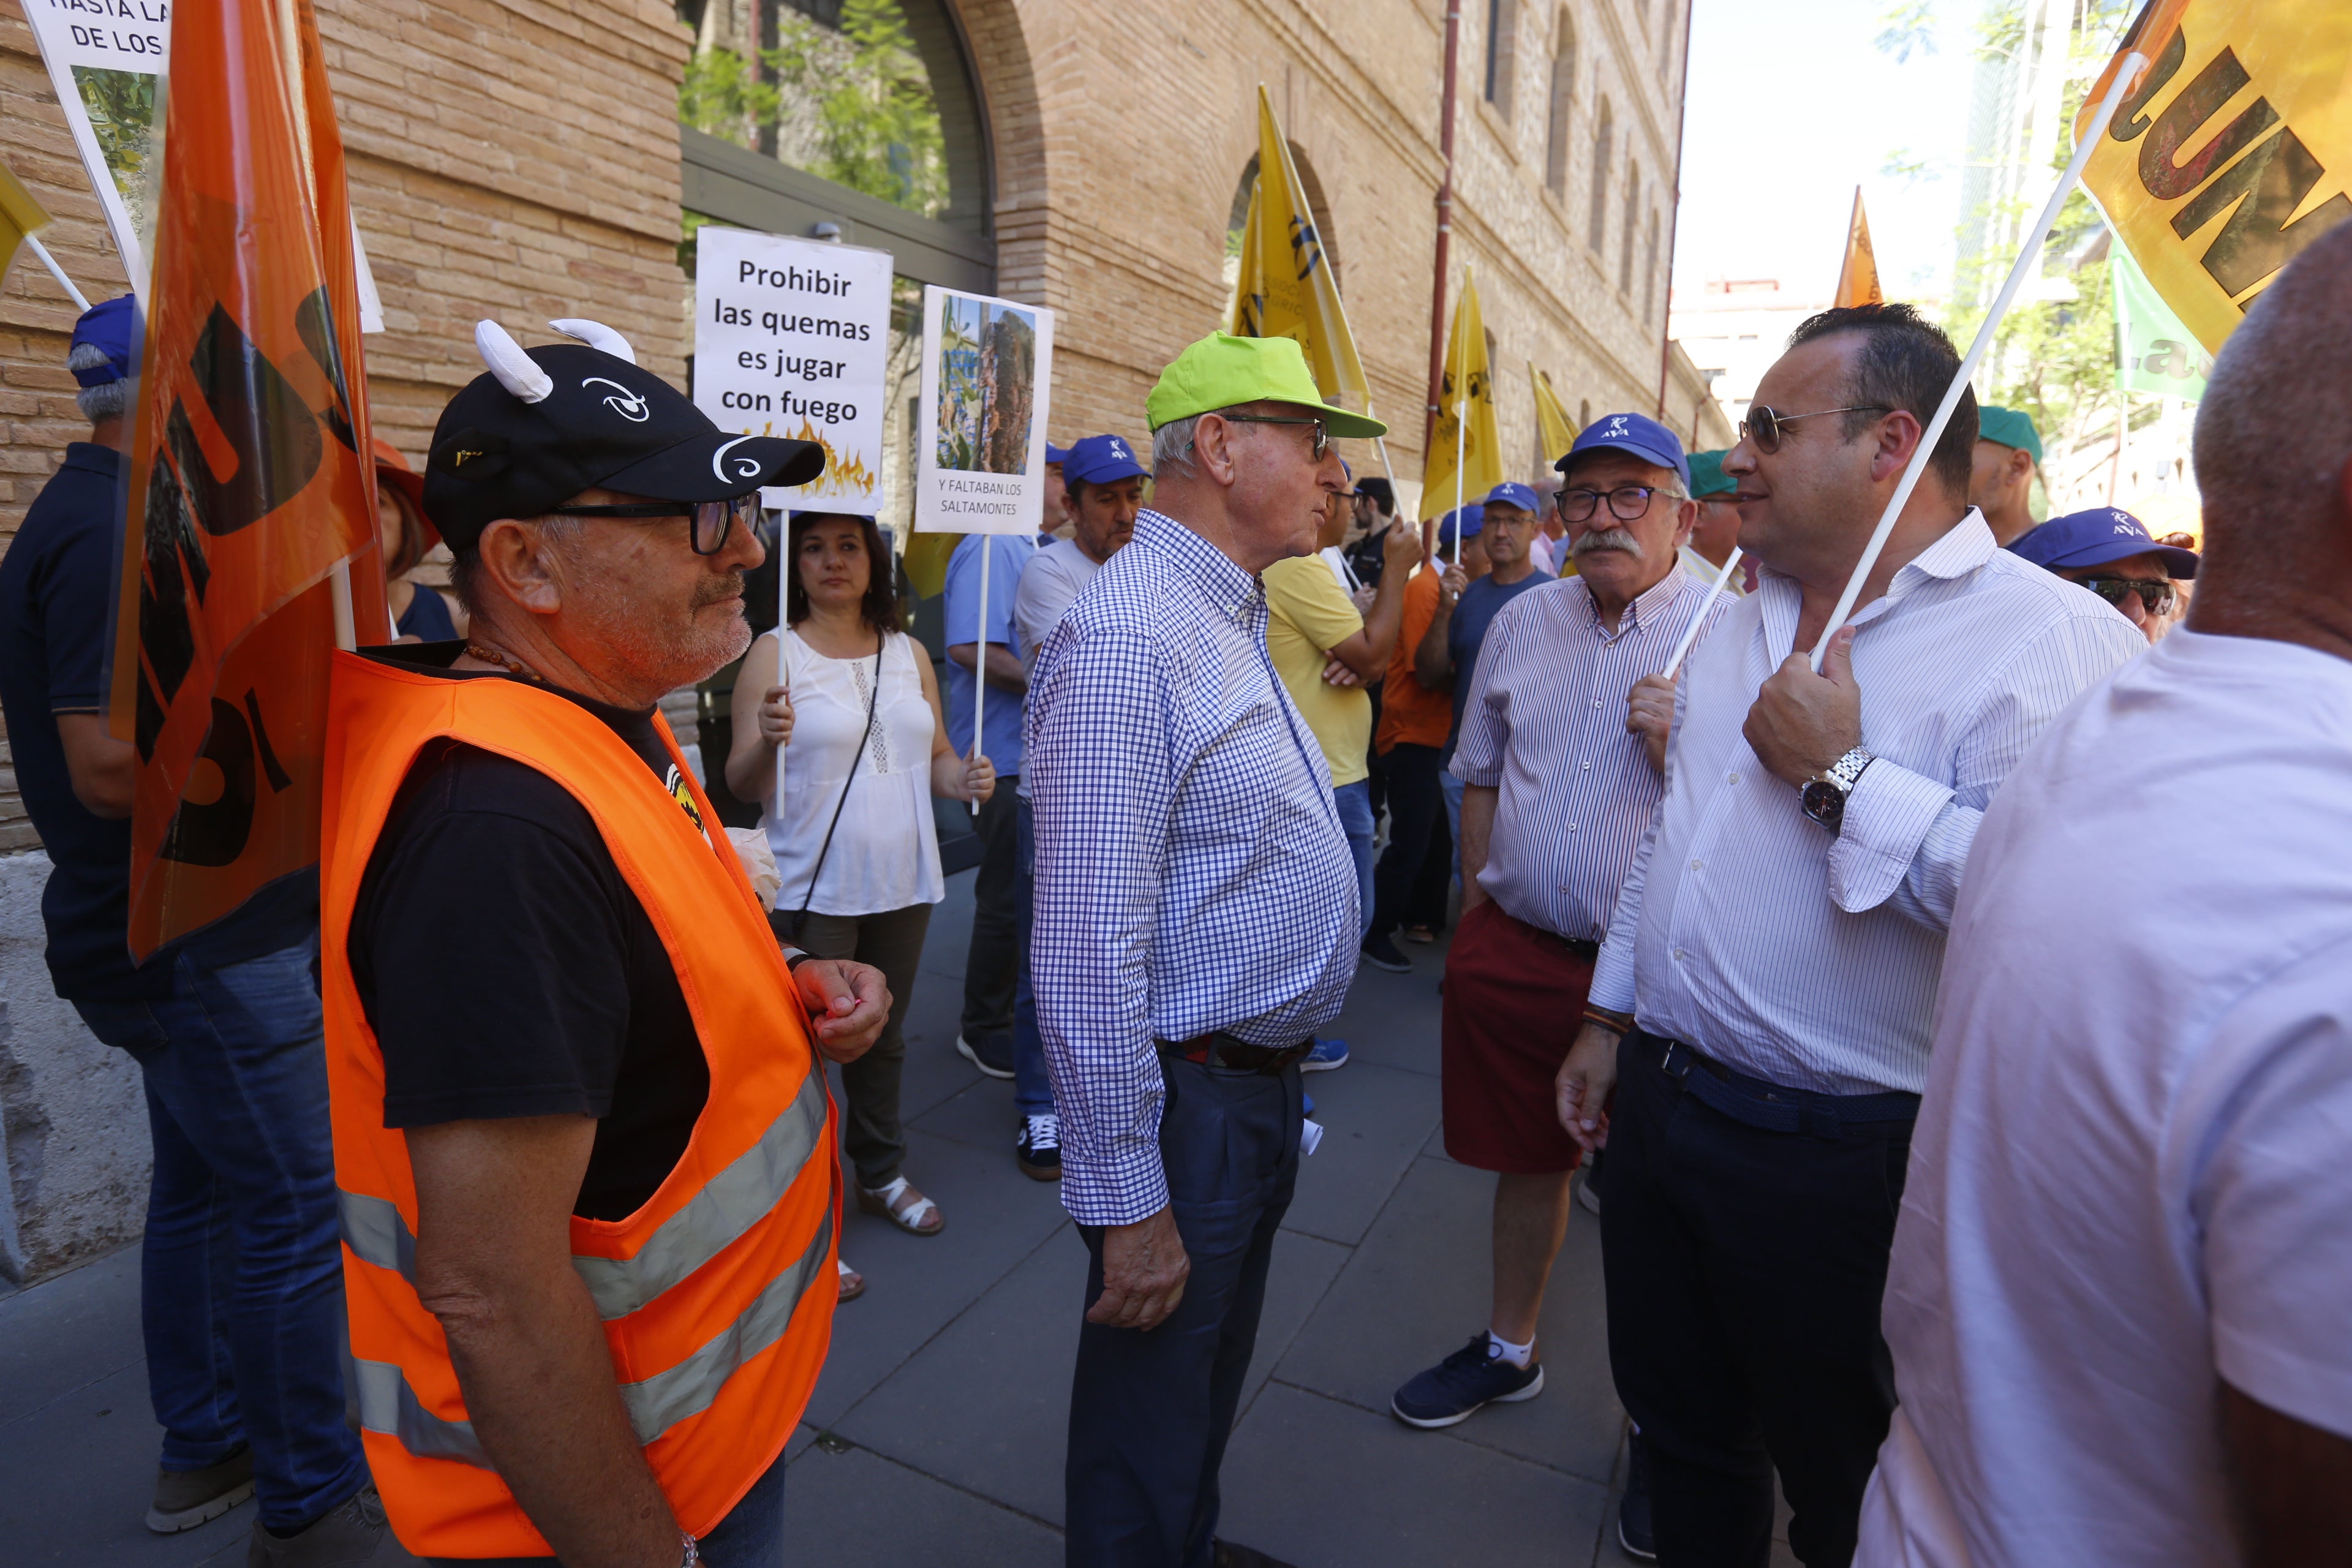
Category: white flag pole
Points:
column 81, row 301
column 2027, row 259
column 1690, row 632
column 1461, row 426
column 980, row 651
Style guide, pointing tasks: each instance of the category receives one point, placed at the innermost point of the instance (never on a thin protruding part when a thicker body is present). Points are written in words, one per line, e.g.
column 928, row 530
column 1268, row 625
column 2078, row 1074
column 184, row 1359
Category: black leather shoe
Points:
column 1634, row 1531
column 1232, row 1556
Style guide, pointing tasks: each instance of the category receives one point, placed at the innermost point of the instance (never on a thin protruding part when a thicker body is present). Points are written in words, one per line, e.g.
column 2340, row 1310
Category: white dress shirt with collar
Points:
column 1810, row 959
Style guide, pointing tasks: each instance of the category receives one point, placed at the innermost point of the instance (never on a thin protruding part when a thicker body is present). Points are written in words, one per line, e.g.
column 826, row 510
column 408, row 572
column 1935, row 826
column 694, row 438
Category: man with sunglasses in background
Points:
column 568, row 1068
column 1762, row 1006
column 2108, row 550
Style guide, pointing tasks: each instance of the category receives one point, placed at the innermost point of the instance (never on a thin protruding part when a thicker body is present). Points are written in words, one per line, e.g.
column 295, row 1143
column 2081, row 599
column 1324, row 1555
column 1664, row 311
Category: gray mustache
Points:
column 1608, row 539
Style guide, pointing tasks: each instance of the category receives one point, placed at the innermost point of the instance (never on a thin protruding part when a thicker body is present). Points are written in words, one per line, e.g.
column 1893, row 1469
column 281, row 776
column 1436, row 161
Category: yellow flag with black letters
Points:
column 2233, row 153
column 1465, row 416
column 1286, row 289
column 1552, row 423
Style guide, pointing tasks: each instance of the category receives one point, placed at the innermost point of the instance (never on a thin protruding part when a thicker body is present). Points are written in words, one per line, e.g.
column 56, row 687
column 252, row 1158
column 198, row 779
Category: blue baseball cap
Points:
column 1100, row 461
column 1630, row 433
column 1509, row 493
column 107, row 326
column 1056, row 454
column 2095, row 537
column 1473, row 523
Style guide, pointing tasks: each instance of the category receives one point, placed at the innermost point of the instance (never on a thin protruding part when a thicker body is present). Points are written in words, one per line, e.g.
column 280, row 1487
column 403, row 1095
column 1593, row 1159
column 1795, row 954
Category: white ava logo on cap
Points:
column 746, row 468
column 1616, row 426
column 628, row 404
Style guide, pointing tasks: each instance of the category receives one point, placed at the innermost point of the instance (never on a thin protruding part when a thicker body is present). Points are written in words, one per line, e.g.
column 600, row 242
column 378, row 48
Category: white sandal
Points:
column 853, row 1283
column 920, row 1217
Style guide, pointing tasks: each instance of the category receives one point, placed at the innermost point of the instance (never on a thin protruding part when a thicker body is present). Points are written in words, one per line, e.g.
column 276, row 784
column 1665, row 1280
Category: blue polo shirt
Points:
column 1000, row 714
column 56, row 584
column 1474, row 612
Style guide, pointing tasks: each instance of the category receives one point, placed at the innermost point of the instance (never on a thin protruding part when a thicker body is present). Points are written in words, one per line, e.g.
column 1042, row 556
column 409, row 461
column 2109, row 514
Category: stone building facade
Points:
column 524, row 158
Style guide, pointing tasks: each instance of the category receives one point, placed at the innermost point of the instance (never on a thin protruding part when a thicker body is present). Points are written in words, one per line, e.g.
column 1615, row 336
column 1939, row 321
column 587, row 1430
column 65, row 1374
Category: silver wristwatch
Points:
column 693, row 1552
column 1824, row 794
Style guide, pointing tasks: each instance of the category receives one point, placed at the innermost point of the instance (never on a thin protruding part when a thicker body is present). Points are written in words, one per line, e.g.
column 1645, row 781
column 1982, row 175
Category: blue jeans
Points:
column 1033, row 1090
column 1453, row 787
column 241, row 1281
column 1355, row 803
column 751, row 1536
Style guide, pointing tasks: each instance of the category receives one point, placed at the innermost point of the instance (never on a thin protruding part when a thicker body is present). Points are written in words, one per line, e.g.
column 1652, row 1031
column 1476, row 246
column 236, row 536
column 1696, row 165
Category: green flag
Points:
column 2153, row 352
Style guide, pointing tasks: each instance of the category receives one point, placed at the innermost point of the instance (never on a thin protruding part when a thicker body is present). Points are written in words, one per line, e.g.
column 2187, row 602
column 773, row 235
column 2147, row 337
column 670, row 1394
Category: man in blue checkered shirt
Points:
column 1196, row 921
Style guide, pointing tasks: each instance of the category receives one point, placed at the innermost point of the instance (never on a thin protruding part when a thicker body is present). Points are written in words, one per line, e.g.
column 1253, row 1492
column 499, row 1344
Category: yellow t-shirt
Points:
column 1310, row 614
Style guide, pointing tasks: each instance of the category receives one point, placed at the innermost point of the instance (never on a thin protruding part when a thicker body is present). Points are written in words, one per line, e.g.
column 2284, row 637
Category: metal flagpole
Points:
column 980, row 651
column 2027, row 258
column 1690, row 632
column 1461, row 427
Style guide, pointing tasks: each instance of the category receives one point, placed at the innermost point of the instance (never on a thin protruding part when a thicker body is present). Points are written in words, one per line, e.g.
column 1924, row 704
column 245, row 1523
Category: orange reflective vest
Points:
column 717, row 1296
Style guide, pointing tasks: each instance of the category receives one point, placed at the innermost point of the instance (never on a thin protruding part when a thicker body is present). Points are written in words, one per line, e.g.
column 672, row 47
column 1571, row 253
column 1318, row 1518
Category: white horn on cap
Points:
column 596, row 335
column 515, row 371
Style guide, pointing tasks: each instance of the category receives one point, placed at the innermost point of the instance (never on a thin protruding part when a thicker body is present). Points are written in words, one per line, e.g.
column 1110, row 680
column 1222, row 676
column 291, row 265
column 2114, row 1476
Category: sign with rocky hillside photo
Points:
column 979, row 446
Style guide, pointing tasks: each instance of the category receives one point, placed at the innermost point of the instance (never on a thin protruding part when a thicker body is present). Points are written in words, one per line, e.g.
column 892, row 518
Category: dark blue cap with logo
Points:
column 1635, row 436
column 1100, row 461
column 1473, row 523
column 2095, row 537
column 107, row 327
column 1511, row 494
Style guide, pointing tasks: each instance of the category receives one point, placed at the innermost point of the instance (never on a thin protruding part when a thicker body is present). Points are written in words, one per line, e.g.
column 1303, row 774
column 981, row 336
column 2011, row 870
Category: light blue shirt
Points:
column 1000, row 721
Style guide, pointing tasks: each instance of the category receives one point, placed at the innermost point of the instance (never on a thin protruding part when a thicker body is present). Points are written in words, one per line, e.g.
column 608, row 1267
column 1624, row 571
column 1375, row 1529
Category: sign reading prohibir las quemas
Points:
column 249, row 479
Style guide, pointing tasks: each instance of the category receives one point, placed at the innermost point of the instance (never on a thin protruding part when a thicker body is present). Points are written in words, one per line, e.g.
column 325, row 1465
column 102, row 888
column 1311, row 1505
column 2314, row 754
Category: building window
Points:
column 1650, row 271
column 1563, row 79
column 1603, row 138
column 1502, row 25
column 1633, row 221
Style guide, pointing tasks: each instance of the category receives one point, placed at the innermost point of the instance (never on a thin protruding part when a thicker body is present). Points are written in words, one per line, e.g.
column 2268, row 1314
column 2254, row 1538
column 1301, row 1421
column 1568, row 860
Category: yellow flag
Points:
column 20, row 215
column 1465, row 416
column 2270, row 80
column 1284, row 290
column 1551, row 417
column 1858, row 276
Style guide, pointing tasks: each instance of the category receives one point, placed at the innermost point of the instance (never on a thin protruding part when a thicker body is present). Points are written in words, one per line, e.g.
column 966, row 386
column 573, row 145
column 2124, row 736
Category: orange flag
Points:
column 250, row 479
column 1858, row 279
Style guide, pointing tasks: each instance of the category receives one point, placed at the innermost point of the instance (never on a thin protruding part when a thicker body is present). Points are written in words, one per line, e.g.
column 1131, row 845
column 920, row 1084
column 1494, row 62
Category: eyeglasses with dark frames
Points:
column 1322, row 435
column 1764, row 422
column 2155, row 597
column 712, row 520
column 1579, row 505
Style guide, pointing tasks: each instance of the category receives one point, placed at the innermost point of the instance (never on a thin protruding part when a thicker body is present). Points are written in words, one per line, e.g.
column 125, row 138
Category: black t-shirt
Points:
column 57, row 587
column 508, row 970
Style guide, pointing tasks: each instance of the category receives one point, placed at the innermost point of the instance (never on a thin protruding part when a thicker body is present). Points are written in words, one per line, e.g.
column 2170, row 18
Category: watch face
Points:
column 1824, row 802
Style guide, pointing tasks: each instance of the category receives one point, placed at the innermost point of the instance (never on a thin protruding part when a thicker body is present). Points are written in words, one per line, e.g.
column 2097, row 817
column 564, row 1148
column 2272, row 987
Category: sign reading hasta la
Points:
column 791, row 337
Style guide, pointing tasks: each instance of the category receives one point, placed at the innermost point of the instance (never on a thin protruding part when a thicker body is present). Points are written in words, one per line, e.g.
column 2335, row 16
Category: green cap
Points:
column 1708, row 477
column 2008, row 428
column 1222, row 370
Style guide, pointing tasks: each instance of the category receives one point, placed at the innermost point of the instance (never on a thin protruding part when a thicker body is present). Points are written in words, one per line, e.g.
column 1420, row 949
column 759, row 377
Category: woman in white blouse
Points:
column 852, row 705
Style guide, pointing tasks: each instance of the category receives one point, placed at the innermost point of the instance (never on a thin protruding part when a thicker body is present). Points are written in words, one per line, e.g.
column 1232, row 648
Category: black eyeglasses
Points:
column 1764, row 422
column 1322, row 436
column 1579, row 505
column 2156, row 596
column 713, row 520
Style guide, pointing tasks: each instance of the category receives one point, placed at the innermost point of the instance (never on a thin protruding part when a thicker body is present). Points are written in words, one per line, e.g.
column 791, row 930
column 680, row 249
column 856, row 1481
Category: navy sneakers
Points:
column 1476, row 1374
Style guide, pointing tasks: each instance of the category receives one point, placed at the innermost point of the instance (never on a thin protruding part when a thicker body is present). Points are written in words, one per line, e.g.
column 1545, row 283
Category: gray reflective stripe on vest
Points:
column 388, row 1406
column 728, row 1207
column 666, row 1398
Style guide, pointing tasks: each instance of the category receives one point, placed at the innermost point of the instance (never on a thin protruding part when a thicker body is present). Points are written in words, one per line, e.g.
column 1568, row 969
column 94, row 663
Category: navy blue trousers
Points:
column 1150, row 1410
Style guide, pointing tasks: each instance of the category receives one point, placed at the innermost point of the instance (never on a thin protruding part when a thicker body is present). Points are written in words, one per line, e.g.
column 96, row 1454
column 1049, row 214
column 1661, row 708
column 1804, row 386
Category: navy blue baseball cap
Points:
column 1510, row 493
column 107, row 327
column 1631, row 434
column 1473, row 523
column 2095, row 537
column 1100, row 461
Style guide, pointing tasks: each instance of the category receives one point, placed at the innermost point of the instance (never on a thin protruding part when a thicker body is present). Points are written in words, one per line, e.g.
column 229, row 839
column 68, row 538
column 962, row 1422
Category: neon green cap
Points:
column 2008, row 428
column 1222, row 370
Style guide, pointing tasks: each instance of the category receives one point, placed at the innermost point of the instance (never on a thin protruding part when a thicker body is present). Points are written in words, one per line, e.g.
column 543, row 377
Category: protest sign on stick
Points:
column 792, row 339
column 980, row 432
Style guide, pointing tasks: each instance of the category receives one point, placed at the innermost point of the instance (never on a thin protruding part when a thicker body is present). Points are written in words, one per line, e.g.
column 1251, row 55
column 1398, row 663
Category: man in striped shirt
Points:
column 1761, row 1004
column 1557, row 794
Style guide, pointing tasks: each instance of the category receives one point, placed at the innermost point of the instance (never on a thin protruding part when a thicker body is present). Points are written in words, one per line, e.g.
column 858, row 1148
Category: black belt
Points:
column 1220, row 1049
column 1775, row 1107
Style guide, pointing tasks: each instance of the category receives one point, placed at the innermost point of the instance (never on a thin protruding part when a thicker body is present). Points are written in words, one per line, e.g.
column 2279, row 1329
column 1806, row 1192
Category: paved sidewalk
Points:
column 937, row 1435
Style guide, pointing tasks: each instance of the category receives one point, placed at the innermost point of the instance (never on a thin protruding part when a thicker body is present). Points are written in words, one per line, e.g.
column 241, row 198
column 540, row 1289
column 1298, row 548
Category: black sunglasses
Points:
column 1764, row 422
column 713, row 520
column 1322, row 436
column 1579, row 505
column 2155, row 597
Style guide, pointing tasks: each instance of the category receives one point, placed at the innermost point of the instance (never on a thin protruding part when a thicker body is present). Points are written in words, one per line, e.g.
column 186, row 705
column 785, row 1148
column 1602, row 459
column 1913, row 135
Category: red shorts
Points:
column 1514, row 1000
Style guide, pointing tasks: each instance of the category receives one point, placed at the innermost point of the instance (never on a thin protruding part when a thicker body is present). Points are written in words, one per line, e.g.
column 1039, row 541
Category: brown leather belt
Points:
column 1220, row 1049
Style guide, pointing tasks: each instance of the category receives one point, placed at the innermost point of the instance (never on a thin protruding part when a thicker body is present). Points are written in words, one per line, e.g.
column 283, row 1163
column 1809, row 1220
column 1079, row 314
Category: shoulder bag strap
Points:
column 873, row 697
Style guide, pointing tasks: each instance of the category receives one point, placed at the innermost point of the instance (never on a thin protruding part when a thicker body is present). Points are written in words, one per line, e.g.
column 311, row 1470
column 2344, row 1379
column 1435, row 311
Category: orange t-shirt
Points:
column 1409, row 712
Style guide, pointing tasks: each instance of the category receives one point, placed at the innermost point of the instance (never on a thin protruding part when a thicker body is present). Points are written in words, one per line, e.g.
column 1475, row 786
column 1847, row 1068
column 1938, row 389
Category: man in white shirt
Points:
column 2119, row 1297
column 1778, row 938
